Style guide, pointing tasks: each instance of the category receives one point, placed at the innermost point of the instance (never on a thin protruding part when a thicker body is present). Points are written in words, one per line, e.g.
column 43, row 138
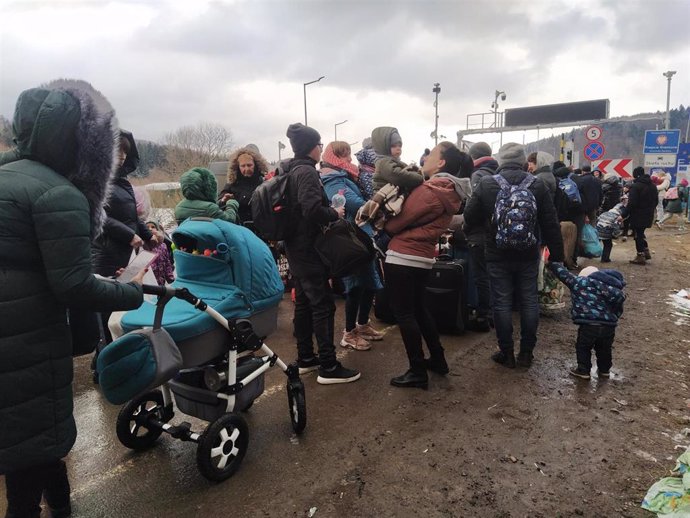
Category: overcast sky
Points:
column 166, row 64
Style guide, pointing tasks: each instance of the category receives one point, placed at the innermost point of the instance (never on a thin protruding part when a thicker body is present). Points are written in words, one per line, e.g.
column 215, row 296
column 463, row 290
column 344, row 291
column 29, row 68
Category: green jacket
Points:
column 45, row 266
column 388, row 169
column 199, row 189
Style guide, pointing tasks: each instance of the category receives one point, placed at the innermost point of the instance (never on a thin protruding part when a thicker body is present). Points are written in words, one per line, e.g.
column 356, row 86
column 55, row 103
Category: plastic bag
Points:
column 591, row 245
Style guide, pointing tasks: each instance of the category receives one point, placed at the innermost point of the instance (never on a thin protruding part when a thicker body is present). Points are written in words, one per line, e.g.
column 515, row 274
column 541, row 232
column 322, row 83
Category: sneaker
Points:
column 337, row 374
column 309, row 365
column 367, row 332
column 579, row 373
column 604, row 374
column 505, row 359
column 354, row 341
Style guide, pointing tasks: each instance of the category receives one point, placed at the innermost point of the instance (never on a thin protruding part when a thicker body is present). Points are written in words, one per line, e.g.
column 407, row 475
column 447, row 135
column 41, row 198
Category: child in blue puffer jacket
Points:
column 597, row 298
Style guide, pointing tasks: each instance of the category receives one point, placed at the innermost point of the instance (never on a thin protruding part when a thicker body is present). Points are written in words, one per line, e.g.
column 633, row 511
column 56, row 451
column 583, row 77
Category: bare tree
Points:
column 196, row 146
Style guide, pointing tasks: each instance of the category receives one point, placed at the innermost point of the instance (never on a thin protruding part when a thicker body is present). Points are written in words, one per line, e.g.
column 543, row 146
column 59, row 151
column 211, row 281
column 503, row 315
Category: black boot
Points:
column 411, row 379
column 507, row 359
column 647, row 254
column 524, row 359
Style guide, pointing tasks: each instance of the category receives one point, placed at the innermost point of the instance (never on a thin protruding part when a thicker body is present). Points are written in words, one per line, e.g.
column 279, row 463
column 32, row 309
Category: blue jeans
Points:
column 518, row 277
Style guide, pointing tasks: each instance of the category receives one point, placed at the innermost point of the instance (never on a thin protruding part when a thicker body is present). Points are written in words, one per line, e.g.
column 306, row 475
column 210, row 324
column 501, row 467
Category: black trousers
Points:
column 481, row 280
column 608, row 245
column 26, row 487
column 597, row 337
column 406, row 287
column 640, row 239
column 314, row 315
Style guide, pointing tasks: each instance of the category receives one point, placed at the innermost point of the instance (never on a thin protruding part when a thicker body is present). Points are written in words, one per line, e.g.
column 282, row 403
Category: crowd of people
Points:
column 67, row 210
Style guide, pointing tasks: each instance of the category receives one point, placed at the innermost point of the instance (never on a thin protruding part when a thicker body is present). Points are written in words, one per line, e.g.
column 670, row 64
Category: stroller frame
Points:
column 223, row 444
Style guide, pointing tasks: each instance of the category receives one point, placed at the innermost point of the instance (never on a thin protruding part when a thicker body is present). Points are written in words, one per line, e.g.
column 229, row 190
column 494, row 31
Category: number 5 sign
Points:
column 593, row 133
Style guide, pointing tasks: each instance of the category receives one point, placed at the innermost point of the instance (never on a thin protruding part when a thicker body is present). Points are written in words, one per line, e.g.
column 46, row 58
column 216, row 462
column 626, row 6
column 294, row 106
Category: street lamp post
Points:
column 494, row 105
column 436, row 90
column 305, row 96
column 335, row 127
column 281, row 146
column 668, row 75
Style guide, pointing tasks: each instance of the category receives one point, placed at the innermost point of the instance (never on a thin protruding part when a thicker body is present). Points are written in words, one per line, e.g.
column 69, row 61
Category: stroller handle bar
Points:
column 168, row 292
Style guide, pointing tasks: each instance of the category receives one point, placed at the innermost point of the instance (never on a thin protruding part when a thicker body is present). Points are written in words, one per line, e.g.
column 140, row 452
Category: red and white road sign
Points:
column 621, row 166
column 593, row 133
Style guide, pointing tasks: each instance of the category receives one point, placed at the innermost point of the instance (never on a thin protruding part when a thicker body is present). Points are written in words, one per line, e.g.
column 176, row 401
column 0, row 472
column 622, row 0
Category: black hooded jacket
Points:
column 242, row 189
column 477, row 235
column 642, row 201
column 611, row 189
column 112, row 250
column 310, row 210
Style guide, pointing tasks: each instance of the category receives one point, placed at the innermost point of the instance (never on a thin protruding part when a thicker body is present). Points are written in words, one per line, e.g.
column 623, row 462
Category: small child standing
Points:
column 597, row 298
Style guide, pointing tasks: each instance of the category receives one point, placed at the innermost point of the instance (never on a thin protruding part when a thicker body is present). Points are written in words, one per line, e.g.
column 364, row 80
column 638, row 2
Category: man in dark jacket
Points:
column 590, row 192
column 51, row 206
column 314, row 306
column 514, row 270
column 484, row 165
column 642, row 202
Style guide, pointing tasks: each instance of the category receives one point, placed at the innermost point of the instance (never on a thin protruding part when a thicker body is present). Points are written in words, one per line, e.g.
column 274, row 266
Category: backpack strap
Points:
column 529, row 180
column 502, row 182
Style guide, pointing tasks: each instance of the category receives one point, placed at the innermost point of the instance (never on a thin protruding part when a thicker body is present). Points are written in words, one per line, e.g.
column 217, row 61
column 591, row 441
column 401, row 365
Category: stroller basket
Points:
column 193, row 398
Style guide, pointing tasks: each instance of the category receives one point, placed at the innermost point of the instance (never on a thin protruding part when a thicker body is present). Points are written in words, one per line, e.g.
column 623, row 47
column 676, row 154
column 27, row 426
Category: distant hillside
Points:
column 622, row 139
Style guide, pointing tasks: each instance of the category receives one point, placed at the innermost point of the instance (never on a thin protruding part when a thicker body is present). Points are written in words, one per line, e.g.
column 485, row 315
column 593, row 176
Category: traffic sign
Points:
column 593, row 133
column 665, row 160
column 620, row 166
column 594, row 150
column 660, row 142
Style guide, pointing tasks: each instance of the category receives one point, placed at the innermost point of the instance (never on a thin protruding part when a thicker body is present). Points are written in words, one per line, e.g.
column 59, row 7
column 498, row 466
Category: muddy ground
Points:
column 484, row 441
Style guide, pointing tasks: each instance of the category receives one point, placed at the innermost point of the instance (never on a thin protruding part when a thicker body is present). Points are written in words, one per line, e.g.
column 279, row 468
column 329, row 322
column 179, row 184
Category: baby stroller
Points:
column 217, row 312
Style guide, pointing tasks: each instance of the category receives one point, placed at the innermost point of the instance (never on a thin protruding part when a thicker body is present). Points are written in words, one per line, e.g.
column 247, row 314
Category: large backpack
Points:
column 271, row 211
column 515, row 214
column 569, row 187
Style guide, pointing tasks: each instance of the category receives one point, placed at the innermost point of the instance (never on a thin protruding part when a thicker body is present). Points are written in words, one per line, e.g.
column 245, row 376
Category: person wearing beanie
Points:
column 199, row 189
column 479, row 150
column 314, row 315
column 597, row 304
column 590, row 192
column 367, row 160
column 484, row 165
column 514, row 269
column 642, row 201
column 611, row 192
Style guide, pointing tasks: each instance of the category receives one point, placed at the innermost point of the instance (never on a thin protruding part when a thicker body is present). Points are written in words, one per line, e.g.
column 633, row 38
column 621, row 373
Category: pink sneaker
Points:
column 368, row 332
column 354, row 341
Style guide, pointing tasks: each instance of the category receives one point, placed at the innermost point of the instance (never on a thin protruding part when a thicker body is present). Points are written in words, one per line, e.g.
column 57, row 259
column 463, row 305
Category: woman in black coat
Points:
column 642, row 202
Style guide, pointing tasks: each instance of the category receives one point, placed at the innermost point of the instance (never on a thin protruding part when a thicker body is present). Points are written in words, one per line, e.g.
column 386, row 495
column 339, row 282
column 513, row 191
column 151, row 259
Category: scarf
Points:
column 337, row 162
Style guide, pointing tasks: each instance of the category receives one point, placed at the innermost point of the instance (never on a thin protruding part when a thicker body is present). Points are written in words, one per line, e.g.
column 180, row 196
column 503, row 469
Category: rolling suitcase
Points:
column 446, row 295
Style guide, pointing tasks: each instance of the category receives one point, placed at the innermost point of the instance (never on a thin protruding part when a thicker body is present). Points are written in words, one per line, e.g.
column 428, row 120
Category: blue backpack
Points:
column 569, row 187
column 515, row 214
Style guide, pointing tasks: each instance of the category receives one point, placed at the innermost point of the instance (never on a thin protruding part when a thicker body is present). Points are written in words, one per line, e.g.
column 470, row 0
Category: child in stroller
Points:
column 217, row 312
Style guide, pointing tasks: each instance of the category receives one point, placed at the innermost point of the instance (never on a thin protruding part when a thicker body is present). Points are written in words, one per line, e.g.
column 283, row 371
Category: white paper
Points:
column 142, row 260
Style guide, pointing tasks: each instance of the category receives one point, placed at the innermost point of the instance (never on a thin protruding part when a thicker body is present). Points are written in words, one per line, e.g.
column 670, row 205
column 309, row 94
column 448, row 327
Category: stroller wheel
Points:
column 222, row 447
column 298, row 405
column 131, row 427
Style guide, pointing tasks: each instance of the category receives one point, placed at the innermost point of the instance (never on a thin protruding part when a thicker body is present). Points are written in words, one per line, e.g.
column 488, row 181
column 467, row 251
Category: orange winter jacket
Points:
column 426, row 215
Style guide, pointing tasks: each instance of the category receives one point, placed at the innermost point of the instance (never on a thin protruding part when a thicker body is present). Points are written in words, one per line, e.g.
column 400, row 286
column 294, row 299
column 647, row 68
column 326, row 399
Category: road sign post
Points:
column 594, row 150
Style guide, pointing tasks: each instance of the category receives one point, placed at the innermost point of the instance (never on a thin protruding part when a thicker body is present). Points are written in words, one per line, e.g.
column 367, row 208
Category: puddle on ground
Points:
column 680, row 307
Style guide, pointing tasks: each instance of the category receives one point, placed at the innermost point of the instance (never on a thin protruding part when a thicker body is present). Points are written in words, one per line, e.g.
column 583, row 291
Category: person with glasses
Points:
column 314, row 306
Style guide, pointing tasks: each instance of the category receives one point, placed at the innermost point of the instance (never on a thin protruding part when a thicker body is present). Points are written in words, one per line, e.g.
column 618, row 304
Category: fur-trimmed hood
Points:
column 70, row 127
column 260, row 164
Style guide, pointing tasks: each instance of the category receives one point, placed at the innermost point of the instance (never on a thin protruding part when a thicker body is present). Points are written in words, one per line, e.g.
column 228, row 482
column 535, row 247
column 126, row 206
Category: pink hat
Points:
column 684, row 182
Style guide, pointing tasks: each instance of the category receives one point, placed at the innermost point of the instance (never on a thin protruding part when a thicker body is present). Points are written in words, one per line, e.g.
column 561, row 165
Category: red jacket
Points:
column 426, row 215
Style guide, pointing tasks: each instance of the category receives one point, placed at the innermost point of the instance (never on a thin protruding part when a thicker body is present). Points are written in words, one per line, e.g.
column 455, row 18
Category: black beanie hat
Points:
column 638, row 171
column 302, row 138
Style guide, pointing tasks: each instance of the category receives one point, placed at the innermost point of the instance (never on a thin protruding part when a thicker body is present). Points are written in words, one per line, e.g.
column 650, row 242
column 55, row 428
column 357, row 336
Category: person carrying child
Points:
column 393, row 180
column 199, row 188
column 597, row 297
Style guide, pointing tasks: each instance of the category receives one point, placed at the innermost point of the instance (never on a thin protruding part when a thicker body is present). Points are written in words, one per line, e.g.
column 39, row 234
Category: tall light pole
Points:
column 668, row 75
column 335, row 127
column 281, row 146
column 494, row 105
column 436, row 90
column 305, row 96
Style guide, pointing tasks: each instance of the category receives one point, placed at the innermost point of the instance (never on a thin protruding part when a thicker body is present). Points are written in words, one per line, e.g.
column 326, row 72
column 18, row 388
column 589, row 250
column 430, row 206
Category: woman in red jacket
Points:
column 425, row 216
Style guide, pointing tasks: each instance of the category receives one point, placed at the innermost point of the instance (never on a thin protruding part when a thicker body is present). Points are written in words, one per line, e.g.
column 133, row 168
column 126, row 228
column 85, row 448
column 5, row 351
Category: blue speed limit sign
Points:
column 594, row 150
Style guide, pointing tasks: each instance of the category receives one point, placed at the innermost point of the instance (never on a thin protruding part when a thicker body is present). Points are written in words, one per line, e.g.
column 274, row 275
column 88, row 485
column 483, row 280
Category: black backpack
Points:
column 271, row 211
